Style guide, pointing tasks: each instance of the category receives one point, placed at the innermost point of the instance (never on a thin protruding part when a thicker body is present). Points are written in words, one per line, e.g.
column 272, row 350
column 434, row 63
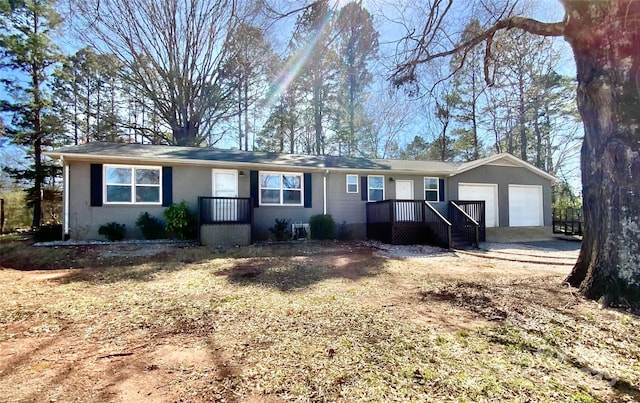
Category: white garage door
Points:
column 525, row 206
column 487, row 192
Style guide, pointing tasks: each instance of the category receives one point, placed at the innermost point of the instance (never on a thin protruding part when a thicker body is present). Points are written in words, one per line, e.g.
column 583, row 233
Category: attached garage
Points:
column 525, row 206
column 482, row 191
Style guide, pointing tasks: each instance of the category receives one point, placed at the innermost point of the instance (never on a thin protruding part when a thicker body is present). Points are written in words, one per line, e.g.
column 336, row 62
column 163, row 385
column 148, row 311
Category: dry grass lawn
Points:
column 301, row 322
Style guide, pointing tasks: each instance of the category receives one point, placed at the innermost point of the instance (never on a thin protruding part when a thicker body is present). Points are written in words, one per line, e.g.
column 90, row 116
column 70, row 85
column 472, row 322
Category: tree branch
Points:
column 405, row 72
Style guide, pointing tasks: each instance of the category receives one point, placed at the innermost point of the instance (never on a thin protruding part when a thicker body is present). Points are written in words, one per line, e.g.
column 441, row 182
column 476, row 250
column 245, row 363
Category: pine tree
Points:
column 28, row 54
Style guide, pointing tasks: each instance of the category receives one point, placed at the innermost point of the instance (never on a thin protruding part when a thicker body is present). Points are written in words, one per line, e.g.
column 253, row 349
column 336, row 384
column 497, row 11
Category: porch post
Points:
column 324, row 193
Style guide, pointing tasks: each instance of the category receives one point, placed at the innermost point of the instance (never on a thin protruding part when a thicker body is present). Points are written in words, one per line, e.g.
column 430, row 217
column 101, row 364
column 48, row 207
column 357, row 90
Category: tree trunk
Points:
column 474, row 118
column 39, row 178
column 246, row 114
column 443, row 142
column 317, row 111
column 522, row 118
column 604, row 37
column 239, row 100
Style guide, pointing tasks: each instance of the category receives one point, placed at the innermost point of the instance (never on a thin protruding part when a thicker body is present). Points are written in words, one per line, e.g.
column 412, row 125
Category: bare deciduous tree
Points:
column 173, row 52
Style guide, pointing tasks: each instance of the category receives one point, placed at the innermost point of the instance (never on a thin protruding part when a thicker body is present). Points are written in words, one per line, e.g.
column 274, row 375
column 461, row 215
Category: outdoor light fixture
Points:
column 390, row 179
column 241, row 173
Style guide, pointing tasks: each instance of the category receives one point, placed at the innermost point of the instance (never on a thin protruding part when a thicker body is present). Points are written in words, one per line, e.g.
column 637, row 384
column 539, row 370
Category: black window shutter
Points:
column 167, row 186
column 441, row 190
column 253, row 184
column 364, row 192
column 307, row 190
column 96, row 185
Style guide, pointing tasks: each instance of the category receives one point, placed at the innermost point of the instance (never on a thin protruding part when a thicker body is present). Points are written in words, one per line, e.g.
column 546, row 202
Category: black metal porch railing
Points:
column 567, row 221
column 224, row 210
column 476, row 210
column 439, row 228
column 463, row 225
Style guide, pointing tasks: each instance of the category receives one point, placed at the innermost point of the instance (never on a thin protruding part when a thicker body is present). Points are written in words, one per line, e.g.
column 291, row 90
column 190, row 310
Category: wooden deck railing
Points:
column 224, row 210
column 568, row 221
column 438, row 226
column 476, row 210
column 462, row 223
column 396, row 221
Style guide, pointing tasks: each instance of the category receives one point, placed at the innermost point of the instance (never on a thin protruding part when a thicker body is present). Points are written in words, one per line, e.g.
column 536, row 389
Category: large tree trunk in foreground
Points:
column 605, row 37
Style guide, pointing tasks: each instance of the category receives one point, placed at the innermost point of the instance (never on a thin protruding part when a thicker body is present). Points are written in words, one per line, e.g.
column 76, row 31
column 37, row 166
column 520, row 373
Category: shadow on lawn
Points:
column 285, row 268
column 291, row 274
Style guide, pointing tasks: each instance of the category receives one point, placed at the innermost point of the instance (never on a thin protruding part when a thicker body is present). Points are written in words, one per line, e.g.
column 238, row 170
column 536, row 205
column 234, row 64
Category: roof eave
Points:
column 177, row 161
column 524, row 164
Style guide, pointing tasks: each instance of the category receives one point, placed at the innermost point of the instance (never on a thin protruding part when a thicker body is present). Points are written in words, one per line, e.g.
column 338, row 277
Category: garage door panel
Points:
column 486, row 192
column 525, row 206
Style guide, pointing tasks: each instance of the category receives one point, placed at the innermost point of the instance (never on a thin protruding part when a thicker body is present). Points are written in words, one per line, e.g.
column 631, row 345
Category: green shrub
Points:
column 181, row 222
column 48, row 233
column 113, row 231
column 281, row 229
column 322, row 226
column 151, row 227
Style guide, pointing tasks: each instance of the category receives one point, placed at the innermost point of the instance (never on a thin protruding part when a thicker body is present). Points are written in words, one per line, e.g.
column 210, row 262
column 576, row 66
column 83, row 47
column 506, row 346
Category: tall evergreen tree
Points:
column 468, row 85
column 87, row 94
column 28, row 54
column 356, row 47
column 247, row 70
column 312, row 42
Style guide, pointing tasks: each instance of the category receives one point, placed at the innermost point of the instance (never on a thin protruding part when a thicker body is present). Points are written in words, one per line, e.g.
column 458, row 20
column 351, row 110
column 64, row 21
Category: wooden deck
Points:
column 407, row 222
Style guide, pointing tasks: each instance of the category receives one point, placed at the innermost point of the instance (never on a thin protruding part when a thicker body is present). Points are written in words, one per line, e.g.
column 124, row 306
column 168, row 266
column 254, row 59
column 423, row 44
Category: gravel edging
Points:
column 118, row 243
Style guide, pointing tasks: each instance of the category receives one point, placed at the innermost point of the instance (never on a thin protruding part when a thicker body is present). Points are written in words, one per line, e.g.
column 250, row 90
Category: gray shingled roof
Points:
column 158, row 154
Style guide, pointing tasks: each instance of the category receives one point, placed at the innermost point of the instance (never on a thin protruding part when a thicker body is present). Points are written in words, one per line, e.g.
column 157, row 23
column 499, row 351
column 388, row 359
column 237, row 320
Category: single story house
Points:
column 238, row 195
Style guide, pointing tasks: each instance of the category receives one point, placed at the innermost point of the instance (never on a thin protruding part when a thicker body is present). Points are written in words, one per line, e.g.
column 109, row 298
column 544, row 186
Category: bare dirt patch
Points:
column 304, row 321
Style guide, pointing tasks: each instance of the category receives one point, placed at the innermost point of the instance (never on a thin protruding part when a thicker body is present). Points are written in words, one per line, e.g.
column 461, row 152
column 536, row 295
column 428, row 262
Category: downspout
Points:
column 324, row 192
column 65, row 199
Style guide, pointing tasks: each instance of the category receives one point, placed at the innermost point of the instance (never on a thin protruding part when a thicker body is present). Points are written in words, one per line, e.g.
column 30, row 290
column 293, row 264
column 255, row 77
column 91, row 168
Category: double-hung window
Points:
column 132, row 184
column 352, row 183
column 376, row 187
column 281, row 189
column 431, row 189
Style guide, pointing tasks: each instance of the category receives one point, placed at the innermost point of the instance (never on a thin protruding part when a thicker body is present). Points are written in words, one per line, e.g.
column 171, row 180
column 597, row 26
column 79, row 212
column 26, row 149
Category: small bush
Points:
column 48, row 233
column 113, row 231
column 281, row 229
column 151, row 227
column 322, row 226
column 181, row 222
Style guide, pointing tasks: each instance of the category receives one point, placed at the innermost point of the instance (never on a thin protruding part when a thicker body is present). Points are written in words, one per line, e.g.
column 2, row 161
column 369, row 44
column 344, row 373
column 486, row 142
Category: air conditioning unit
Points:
column 300, row 230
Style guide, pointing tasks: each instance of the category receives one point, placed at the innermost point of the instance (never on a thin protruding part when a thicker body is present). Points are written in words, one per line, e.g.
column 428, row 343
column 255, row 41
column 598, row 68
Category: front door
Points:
column 405, row 211
column 225, row 184
column 404, row 190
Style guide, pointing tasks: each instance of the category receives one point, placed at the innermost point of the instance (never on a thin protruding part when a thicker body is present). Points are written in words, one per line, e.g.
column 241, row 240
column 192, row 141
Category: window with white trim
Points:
column 375, row 184
column 432, row 189
column 132, row 184
column 352, row 183
column 281, row 189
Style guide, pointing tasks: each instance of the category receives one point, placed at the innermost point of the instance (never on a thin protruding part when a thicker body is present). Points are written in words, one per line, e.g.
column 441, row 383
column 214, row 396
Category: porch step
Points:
column 460, row 242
